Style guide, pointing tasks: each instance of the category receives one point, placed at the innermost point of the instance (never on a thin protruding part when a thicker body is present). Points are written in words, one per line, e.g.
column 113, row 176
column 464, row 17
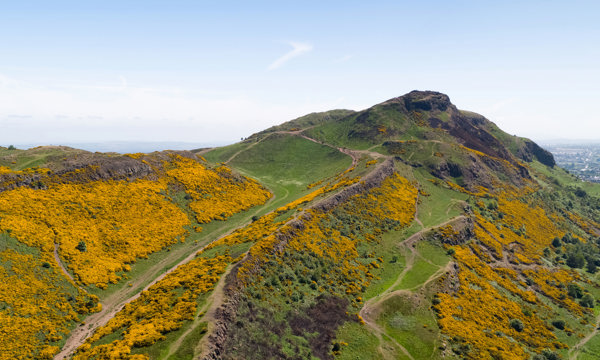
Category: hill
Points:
column 408, row 230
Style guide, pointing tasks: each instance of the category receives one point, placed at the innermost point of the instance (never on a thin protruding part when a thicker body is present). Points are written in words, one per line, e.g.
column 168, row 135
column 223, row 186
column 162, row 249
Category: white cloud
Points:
column 298, row 49
column 342, row 59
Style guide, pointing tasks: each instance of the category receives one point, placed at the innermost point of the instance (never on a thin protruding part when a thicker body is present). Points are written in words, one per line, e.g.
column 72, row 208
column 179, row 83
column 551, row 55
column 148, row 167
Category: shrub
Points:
column 516, row 324
column 550, row 355
column 575, row 260
column 556, row 242
column 559, row 324
column 591, row 267
column 587, row 301
column 81, row 246
column 575, row 291
column 11, row 147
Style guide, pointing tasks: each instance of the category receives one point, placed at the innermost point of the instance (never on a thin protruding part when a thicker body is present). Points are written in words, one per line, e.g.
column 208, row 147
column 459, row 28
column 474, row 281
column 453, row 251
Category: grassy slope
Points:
column 310, row 120
column 40, row 156
column 286, row 164
column 440, row 206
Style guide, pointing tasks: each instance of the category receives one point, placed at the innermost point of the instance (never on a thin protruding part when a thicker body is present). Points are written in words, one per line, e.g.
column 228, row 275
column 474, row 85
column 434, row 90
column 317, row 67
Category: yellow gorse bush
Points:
column 118, row 221
column 157, row 311
column 37, row 306
column 217, row 194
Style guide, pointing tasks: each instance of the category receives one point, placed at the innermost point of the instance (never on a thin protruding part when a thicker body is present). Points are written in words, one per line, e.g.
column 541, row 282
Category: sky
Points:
column 211, row 73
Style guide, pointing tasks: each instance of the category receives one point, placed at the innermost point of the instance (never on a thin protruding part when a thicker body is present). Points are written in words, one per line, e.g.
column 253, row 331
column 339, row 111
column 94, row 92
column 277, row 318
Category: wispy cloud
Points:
column 343, row 59
column 298, row 49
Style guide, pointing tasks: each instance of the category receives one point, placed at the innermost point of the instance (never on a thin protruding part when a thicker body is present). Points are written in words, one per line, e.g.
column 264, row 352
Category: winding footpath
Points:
column 61, row 265
column 116, row 301
column 369, row 311
column 574, row 352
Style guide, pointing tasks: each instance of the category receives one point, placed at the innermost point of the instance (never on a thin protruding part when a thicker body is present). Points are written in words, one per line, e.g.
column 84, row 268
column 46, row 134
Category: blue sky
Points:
column 213, row 72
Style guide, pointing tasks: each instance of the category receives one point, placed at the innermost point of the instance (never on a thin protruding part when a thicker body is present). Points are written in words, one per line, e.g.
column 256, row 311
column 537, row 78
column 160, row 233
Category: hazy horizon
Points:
column 135, row 146
column 186, row 71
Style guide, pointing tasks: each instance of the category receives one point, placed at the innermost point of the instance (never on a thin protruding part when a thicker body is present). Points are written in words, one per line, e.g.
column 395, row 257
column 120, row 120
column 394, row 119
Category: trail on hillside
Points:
column 116, row 301
column 205, row 314
column 61, row 265
column 369, row 311
column 574, row 352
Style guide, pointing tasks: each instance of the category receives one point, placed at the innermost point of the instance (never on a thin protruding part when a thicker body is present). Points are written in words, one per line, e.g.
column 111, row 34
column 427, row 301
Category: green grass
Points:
column 222, row 154
column 186, row 350
column 562, row 177
column 309, row 120
column 40, row 156
column 7, row 242
column 419, row 273
column 337, row 133
column 432, row 258
column 412, row 325
column 291, row 159
column 362, row 345
column 287, row 164
column 434, row 253
column 388, row 249
column 591, row 350
column 441, row 205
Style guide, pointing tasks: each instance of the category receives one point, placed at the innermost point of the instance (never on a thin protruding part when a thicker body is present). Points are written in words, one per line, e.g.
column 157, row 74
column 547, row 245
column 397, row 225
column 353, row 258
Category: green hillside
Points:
column 409, row 230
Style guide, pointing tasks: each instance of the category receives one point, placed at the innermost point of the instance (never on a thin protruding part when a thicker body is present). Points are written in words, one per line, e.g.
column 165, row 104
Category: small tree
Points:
column 556, row 242
column 559, row 324
column 81, row 246
column 591, row 267
column 587, row 301
column 12, row 147
column 575, row 260
column 516, row 324
column 575, row 291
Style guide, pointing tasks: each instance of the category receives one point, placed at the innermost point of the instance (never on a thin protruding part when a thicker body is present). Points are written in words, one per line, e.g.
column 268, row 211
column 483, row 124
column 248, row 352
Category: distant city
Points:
column 580, row 159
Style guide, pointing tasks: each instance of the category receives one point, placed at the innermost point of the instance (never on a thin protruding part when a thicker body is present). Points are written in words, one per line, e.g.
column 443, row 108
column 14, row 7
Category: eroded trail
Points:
column 574, row 352
column 368, row 312
column 205, row 314
column 61, row 265
column 370, row 309
column 115, row 302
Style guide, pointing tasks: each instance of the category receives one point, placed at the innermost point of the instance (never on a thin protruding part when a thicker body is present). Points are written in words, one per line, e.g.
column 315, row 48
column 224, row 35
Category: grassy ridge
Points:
column 286, row 164
column 40, row 156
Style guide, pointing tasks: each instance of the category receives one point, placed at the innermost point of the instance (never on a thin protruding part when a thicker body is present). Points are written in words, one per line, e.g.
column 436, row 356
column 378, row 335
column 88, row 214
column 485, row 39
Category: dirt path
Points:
column 574, row 352
column 61, row 265
column 205, row 314
column 217, row 299
column 369, row 310
column 116, row 301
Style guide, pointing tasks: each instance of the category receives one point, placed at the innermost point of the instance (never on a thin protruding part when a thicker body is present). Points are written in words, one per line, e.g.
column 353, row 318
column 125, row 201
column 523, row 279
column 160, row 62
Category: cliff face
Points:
column 85, row 167
column 469, row 129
